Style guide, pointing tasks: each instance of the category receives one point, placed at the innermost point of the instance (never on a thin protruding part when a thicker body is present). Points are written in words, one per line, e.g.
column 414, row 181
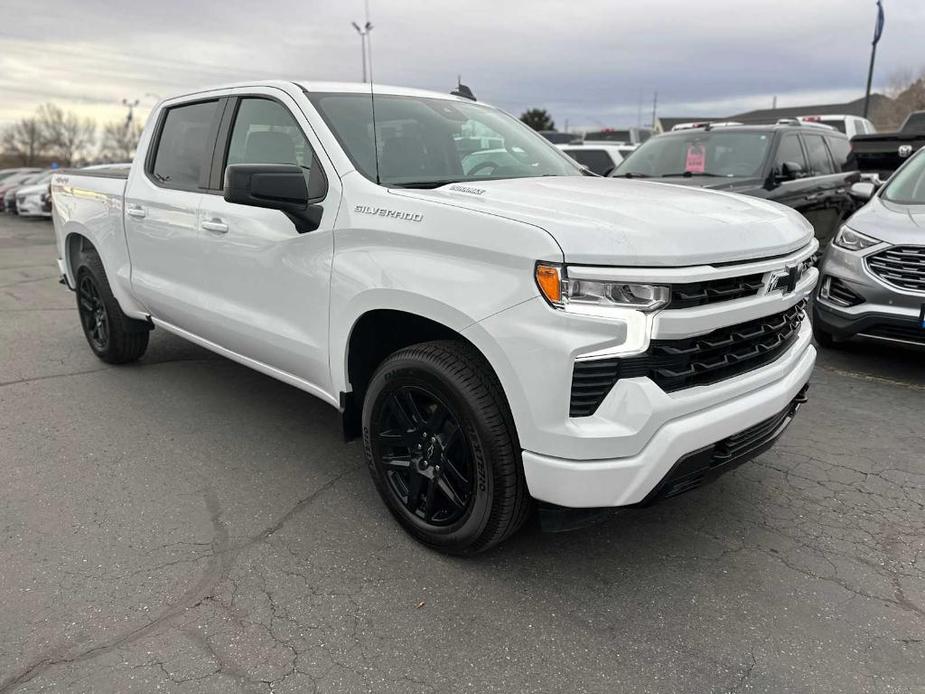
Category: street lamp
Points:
column 364, row 33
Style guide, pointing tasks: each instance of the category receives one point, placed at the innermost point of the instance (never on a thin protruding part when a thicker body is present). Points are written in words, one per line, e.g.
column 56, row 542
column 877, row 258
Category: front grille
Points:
column 711, row 291
column 906, row 333
column 705, row 465
column 693, row 361
column 901, row 266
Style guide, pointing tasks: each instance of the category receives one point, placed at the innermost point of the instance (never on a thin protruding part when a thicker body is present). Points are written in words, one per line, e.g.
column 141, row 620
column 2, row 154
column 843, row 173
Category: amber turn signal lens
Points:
column 549, row 280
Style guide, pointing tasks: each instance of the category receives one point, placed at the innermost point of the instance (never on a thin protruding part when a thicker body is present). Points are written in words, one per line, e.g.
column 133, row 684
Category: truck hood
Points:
column 606, row 221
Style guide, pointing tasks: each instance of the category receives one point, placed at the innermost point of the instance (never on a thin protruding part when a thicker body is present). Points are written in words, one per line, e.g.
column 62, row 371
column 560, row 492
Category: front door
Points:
column 268, row 288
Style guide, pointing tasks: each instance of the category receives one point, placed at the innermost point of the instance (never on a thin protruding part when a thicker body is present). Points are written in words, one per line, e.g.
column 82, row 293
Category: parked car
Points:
column 601, row 158
column 519, row 330
column 11, row 183
column 873, row 274
column 849, row 125
column 7, row 173
column 625, row 136
column 802, row 166
column 883, row 153
column 560, row 138
column 33, row 199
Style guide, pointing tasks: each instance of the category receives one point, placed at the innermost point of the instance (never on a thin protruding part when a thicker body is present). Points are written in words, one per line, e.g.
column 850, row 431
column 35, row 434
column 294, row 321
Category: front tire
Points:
column 114, row 337
column 442, row 450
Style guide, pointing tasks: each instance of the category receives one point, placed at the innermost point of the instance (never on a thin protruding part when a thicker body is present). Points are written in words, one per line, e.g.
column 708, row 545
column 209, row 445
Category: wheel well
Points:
column 74, row 244
column 375, row 336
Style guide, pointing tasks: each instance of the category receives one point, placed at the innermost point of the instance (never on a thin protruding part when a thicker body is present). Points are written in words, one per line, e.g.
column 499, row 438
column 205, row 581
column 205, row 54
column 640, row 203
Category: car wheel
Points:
column 442, row 450
column 114, row 337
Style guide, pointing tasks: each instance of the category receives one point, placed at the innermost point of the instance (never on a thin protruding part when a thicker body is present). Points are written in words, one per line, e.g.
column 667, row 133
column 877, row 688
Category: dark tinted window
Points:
column 183, row 144
column 790, row 151
column 819, row 161
column 595, row 159
column 840, row 149
column 266, row 133
column 915, row 122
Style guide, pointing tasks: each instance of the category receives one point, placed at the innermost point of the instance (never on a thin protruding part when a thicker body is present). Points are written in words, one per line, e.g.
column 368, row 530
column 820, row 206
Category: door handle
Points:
column 214, row 225
column 136, row 211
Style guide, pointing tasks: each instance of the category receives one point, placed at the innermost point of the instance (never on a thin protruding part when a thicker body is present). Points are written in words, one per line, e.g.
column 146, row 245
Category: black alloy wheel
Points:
column 426, row 455
column 93, row 315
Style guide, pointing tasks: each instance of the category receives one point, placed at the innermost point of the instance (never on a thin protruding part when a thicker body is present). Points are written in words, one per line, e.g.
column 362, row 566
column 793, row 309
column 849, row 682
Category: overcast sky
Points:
column 587, row 61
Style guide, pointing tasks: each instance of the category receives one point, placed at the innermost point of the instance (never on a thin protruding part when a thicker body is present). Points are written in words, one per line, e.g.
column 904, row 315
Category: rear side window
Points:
column 819, row 161
column 790, row 151
column 840, row 149
column 184, row 146
column 595, row 159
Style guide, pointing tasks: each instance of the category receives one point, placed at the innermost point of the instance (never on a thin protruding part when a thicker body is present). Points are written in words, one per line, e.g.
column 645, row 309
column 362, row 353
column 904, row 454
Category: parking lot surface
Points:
column 185, row 524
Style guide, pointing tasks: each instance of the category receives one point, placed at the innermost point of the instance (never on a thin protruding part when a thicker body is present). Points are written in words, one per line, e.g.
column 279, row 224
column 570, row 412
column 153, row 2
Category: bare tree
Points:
column 68, row 136
column 906, row 91
column 25, row 140
column 120, row 140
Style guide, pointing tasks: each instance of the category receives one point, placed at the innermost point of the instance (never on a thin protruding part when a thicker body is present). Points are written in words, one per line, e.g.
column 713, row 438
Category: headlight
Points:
column 562, row 292
column 851, row 240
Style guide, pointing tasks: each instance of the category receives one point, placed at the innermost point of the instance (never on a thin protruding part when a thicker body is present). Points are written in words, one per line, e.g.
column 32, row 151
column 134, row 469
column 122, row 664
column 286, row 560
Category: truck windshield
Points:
column 429, row 142
column 907, row 187
column 699, row 153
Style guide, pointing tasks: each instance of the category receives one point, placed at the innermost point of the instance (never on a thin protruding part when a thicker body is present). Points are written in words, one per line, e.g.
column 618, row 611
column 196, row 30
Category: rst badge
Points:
column 786, row 279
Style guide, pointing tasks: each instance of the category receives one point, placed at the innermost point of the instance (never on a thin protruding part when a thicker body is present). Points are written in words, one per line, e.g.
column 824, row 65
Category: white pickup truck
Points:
column 502, row 327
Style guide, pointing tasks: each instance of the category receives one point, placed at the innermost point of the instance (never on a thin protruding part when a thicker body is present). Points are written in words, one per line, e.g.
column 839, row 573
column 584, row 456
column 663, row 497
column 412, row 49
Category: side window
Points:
column 819, row 161
column 182, row 146
column 597, row 160
column 790, row 150
column 840, row 149
column 265, row 132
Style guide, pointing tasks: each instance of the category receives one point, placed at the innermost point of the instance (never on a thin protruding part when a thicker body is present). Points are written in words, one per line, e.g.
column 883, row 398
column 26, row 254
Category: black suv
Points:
column 802, row 166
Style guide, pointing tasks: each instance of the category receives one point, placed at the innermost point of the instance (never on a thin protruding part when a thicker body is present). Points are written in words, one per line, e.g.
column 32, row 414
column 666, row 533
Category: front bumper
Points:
column 886, row 313
column 631, row 480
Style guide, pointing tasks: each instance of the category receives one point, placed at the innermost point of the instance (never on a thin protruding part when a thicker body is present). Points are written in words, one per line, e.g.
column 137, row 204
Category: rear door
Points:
column 162, row 201
column 827, row 193
column 269, row 285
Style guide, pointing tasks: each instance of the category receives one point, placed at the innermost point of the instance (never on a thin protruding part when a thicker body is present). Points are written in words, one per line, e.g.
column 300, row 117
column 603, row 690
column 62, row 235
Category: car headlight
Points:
column 851, row 240
column 563, row 292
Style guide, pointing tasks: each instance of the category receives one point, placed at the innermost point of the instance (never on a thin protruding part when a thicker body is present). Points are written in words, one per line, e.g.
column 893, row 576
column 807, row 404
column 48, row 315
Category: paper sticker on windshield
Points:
column 696, row 158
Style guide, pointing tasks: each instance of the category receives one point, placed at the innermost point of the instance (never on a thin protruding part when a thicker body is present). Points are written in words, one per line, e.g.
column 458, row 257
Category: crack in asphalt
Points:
column 220, row 560
column 33, row 379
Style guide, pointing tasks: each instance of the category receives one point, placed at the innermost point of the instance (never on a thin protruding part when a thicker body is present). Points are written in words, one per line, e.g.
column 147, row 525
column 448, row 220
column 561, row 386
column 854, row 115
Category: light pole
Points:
column 364, row 33
column 131, row 110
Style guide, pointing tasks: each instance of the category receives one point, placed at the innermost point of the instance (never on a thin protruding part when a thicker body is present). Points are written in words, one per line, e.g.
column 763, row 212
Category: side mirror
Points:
column 791, row 170
column 276, row 187
column 862, row 190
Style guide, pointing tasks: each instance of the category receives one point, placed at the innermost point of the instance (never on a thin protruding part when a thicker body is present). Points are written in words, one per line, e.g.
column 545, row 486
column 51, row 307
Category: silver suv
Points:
column 873, row 274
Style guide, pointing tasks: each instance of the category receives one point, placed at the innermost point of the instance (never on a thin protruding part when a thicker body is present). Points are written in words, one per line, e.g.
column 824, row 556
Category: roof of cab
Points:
column 363, row 88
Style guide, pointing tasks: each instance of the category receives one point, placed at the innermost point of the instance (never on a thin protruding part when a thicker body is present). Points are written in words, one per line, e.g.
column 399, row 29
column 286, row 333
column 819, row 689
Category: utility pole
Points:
column 878, row 32
column 654, row 106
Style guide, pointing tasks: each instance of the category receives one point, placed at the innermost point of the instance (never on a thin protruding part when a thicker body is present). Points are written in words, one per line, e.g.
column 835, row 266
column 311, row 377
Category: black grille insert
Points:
column 677, row 364
column 901, row 266
column 711, row 291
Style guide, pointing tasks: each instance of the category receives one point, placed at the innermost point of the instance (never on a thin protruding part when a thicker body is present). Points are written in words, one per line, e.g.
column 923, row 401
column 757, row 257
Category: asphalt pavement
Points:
column 185, row 524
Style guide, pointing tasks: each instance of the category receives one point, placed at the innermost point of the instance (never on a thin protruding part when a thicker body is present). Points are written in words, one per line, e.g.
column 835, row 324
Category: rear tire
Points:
column 442, row 449
column 114, row 337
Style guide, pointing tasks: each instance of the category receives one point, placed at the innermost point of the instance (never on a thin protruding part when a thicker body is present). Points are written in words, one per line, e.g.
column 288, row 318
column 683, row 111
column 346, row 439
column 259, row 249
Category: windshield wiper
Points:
column 630, row 174
column 690, row 174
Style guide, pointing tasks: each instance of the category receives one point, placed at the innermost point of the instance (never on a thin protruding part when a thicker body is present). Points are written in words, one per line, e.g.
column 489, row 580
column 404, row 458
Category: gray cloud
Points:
column 588, row 62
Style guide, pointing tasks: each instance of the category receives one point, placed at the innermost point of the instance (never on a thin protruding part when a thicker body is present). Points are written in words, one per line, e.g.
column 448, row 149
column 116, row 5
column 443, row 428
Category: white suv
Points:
column 498, row 325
